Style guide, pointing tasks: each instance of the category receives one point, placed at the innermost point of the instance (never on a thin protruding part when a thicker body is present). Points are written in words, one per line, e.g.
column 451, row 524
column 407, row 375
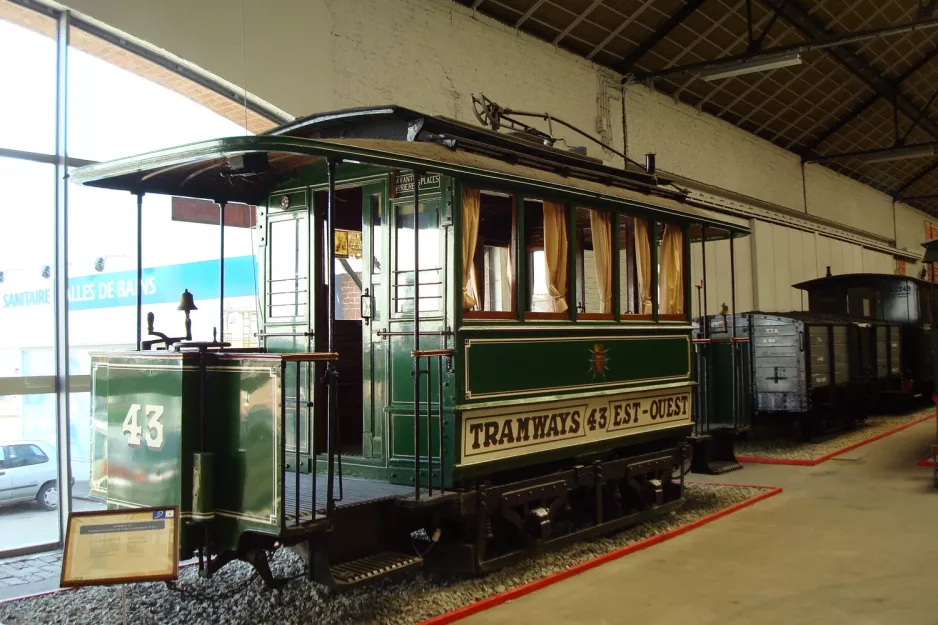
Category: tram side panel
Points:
column 729, row 348
column 535, row 400
column 209, row 445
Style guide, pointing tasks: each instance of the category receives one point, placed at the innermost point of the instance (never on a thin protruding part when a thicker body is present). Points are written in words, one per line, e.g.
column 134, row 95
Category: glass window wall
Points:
column 118, row 104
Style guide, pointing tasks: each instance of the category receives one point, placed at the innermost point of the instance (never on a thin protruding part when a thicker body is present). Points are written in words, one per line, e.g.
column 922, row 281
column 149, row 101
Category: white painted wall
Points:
column 312, row 55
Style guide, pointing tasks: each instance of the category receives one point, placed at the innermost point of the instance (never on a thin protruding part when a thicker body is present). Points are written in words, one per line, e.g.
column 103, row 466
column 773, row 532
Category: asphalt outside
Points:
column 24, row 525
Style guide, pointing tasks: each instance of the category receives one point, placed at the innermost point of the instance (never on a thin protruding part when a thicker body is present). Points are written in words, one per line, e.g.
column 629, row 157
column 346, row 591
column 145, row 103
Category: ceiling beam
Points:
column 576, row 22
column 757, row 44
column 618, row 29
column 822, row 41
column 794, row 13
column 656, row 37
column 866, row 104
column 897, row 194
column 524, row 18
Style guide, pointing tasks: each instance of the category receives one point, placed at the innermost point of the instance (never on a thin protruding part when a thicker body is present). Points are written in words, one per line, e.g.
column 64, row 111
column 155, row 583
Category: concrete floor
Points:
column 852, row 540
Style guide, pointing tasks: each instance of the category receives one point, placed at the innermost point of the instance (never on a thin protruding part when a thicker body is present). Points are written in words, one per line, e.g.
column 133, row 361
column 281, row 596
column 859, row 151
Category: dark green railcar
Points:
column 530, row 384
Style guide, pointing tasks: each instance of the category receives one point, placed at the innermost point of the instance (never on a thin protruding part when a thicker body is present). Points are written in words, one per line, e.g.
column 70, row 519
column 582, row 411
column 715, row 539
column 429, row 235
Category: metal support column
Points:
column 60, row 300
column 733, row 343
column 140, row 272
column 331, row 373
column 704, row 334
column 417, row 337
column 221, row 276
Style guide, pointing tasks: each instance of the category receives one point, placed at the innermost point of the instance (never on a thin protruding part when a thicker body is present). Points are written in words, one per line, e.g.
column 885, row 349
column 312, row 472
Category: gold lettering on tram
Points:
column 493, row 434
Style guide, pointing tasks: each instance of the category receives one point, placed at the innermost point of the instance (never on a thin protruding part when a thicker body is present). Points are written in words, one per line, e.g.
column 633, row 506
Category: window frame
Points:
column 659, row 227
column 570, row 314
column 622, row 316
column 393, row 203
column 513, row 247
column 579, row 265
column 621, row 215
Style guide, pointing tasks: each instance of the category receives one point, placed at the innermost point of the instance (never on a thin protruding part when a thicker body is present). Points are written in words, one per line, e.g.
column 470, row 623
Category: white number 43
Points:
column 154, row 433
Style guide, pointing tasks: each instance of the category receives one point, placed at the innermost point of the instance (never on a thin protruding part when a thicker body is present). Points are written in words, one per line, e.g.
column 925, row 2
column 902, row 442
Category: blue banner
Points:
column 160, row 285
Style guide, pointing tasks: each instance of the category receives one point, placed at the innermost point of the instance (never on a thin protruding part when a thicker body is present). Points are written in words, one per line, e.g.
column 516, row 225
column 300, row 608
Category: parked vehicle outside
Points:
column 28, row 472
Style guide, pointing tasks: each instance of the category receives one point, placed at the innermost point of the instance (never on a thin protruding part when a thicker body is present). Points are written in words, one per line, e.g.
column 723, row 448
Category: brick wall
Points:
column 349, row 296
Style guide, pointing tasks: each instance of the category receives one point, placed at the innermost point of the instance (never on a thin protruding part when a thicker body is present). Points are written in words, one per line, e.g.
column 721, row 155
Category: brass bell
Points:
column 186, row 302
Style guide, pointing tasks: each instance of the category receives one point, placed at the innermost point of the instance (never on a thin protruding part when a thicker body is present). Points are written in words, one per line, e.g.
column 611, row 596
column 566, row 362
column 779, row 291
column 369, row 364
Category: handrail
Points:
column 297, row 360
column 384, row 333
column 310, row 357
column 418, row 371
column 432, row 352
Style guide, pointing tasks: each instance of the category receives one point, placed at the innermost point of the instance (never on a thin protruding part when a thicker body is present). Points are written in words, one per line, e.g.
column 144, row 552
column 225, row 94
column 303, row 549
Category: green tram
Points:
column 506, row 368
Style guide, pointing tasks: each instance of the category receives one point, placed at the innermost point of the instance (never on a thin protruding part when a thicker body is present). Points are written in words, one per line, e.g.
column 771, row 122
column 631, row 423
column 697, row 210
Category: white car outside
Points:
column 28, row 472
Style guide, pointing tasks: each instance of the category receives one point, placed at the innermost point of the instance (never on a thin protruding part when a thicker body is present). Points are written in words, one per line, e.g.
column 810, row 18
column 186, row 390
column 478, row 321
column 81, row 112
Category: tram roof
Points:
column 224, row 170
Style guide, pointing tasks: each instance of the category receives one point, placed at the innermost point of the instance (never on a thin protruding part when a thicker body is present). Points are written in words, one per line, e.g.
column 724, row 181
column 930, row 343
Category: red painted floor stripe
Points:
column 520, row 591
column 790, row 461
column 815, row 461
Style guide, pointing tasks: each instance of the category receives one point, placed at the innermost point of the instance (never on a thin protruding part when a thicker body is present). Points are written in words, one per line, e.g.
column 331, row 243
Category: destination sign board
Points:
column 404, row 183
column 492, row 434
column 120, row 546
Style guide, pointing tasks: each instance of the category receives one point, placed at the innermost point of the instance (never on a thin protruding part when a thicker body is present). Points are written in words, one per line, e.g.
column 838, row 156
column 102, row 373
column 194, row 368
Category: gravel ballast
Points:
column 236, row 595
column 787, row 448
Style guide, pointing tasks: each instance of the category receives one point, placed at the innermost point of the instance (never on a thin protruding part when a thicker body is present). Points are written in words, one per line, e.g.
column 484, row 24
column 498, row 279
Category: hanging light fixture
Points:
column 752, row 66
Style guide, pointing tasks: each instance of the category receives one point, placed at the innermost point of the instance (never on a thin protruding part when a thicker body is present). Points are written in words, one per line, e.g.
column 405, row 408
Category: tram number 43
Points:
column 154, row 434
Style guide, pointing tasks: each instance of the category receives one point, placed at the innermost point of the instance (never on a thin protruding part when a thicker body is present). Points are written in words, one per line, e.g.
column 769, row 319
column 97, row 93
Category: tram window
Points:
column 488, row 236
column 594, row 263
column 545, row 240
column 670, row 272
column 862, row 302
column 286, row 286
column 430, row 270
column 634, row 267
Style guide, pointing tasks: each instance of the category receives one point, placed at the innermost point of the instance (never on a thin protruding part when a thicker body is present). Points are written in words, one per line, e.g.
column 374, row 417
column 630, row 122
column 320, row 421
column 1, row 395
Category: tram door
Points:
column 359, row 271
column 286, row 303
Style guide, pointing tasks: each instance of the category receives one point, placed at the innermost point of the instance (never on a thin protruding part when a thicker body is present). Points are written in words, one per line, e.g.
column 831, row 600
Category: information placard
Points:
column 119, row 546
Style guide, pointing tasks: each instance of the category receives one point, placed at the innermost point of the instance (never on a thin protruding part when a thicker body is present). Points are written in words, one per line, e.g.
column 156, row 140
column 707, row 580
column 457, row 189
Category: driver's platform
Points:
column 354, row 491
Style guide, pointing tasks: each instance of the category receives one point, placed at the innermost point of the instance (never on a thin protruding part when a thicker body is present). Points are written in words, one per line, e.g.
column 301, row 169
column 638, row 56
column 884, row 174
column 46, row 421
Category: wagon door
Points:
column 374, row 311
column 286, row 314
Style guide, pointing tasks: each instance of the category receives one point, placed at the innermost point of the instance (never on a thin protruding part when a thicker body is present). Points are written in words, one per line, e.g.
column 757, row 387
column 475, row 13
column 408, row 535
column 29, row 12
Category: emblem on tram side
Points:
column 284, row 201
column 599, row 359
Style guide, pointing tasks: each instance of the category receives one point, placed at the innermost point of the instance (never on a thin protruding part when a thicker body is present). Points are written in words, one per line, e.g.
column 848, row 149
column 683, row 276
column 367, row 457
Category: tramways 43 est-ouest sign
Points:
column 497, row 433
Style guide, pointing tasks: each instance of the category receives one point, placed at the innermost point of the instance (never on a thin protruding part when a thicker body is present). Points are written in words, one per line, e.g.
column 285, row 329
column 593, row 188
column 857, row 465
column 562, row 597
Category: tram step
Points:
column 374, row 566
column 723, row 466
